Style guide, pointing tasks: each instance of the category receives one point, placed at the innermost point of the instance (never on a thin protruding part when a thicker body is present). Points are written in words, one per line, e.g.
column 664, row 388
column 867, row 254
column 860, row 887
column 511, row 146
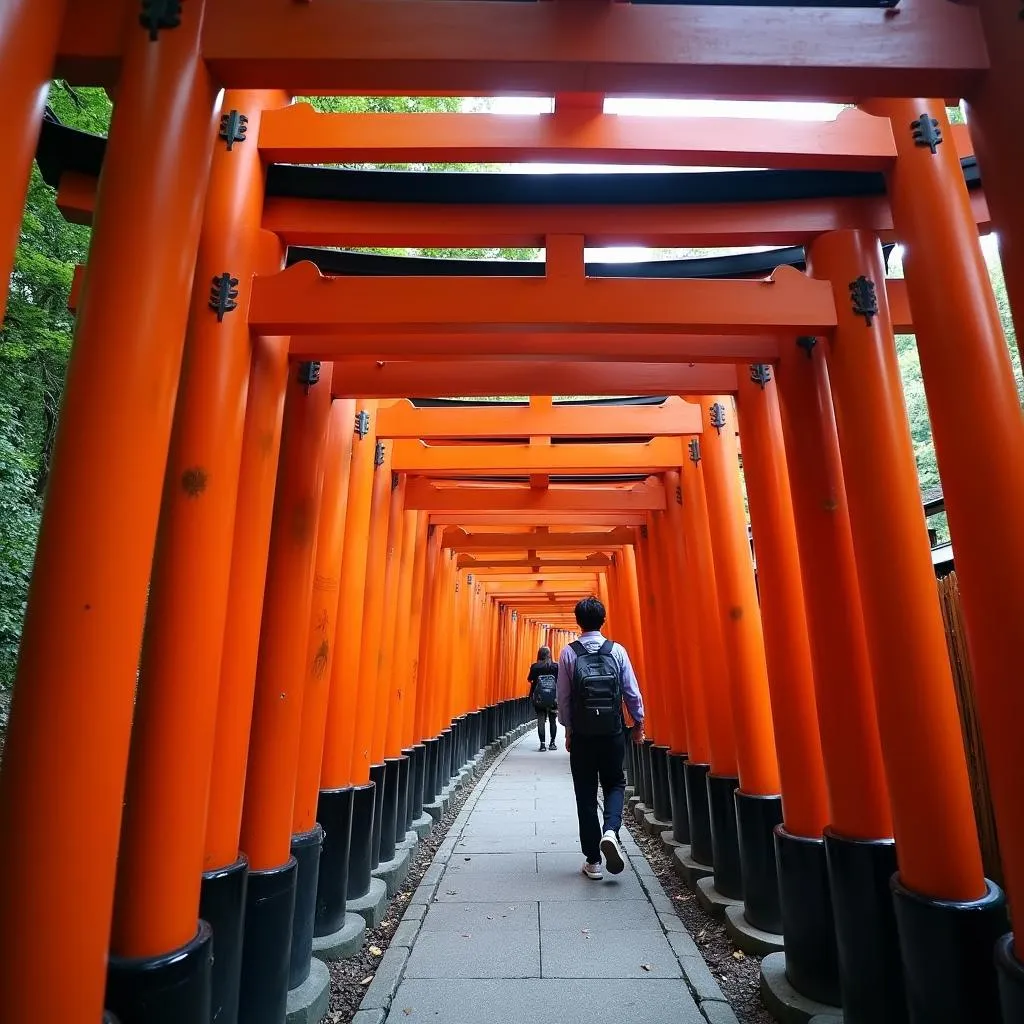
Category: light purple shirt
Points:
column 627, row 678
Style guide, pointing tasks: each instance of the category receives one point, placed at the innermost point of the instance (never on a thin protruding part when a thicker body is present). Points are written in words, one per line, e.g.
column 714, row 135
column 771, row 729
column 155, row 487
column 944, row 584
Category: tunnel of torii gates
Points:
column 277, row 605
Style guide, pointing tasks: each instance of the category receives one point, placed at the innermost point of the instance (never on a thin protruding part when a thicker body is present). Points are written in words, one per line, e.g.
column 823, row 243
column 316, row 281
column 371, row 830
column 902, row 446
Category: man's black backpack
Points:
column 545, row 691
column 596, row 692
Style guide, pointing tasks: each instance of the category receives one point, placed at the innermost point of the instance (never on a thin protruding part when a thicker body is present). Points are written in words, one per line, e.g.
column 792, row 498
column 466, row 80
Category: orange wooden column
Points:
column 933, row 818
column 428, row 617
column 864, row 963
column 650, row 619
column 632, row 590
column 979, row 442
column 402, row 675
column 754, row 810
column 267, row 812
column 325, row 628
column 95, row 547
column 29, row 30
column 781, row 599
column 338, row 768
column 804, row 805
column 250, row 546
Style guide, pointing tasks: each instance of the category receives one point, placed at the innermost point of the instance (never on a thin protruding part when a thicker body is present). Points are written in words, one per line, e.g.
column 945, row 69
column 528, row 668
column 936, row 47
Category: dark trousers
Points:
column 551, row 717
column 593, row 760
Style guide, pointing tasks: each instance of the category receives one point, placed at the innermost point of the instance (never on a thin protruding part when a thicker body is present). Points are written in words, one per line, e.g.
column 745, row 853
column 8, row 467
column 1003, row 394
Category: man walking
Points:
column 594, row 678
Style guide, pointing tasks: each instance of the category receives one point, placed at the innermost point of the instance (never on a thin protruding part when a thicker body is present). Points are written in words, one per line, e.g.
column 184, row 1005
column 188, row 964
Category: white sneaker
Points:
column 612, row 853
column 593, row 871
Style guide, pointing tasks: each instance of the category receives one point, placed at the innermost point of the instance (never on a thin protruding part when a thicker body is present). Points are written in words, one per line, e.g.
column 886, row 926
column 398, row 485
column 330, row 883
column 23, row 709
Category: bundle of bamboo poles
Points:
column 956, row 641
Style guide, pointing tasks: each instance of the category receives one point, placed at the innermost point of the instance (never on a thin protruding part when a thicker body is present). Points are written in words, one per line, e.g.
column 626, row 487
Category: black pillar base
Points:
column 170, row 989
column 389, row 812
column 948, row 966
column 430, row 748
column 360, row 852
column 677, row 798
column 377, row 778
column 419, row 776
column 222, row 906
column 334, row 813
column 698, row 810
column 647, row 775
column 447, row 755
column 659, row 783
column 306, row 851
column 870, row 966
column 1011, row 980
column 756, row 818
column 266, row 948
column 725, row 847
column 406, row 784
column 812, row 962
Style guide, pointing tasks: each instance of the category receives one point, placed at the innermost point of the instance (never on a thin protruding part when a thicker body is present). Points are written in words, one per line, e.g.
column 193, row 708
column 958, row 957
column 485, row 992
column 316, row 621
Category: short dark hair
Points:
column 544, row 654
column 590, row 614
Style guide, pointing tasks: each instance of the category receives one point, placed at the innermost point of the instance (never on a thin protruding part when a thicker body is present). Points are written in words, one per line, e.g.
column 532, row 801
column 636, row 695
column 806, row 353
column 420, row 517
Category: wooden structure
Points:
column 242, row 490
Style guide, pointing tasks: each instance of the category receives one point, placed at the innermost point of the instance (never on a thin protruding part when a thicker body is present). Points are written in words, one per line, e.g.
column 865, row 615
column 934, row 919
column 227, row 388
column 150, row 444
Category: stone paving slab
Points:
column 506, row 928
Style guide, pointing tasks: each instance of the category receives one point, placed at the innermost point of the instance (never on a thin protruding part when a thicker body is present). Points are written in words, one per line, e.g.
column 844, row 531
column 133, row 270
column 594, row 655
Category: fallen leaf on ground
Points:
column 466, row 935
column 738, row 954
column 367, row 980
column 451, row 892
column 407, row 1011
column 376, row 951
column 645, row 967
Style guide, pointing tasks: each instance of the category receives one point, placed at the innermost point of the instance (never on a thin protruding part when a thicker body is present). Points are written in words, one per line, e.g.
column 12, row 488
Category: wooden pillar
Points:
column 933, row 817
column 401, row 676
column 979, row 441
column 780, row 590
column 338, row 769
column 96, row 545
column 29, row 30
column 160, row 861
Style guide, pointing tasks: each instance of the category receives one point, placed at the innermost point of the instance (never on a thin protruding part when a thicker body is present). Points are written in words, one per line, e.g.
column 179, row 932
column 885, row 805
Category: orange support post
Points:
column 428, row 622
column 859, row 835
column 933, row 817
column 261, row 443
column 338, row 769
column 400, row 674
column 781, row 599
column 158, row 888
column 29, row 30
column 979, row 441
column 95, row 549
column 418, row 598
column 323, row 629
column 741, row 821
column 277, row 710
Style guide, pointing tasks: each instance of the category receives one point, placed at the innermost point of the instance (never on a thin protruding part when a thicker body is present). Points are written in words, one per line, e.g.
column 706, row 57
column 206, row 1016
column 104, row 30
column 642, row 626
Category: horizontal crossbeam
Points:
column 536, row 518
column 421, row 493
column 301, row 300
column 673, row 417
column 591, row 541
column 526, row 566
column 300, row 135
column 662, row 453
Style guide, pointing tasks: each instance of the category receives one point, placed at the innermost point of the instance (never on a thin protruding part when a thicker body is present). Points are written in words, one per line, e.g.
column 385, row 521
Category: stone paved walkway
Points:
column 504, row 928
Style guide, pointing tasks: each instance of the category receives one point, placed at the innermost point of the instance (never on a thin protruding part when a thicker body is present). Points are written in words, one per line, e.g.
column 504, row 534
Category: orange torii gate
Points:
column 848, row 714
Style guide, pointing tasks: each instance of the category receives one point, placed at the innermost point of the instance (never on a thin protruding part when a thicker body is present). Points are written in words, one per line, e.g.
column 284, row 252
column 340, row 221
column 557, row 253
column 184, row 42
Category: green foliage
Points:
column 35, row 340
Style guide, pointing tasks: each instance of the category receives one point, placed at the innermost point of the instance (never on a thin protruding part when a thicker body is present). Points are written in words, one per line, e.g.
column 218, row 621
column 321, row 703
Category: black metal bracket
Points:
column 679, row 492
column 233, row 127
column 362, row 423
column 695, row 450
column 159, row 14
column 718, row 416
column 807, row 343
column 378, row 454
column 224, row 295
column 864, row 298
column 761, row 374
column 394, row 481
column 309, row 374
column 643, row 531
column 926, row 132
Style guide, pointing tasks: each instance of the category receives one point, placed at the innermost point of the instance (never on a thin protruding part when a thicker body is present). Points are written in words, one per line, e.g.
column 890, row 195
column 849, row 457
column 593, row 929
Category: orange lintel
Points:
column 673, row 417
column 459, row 540
column 536, row 518
column 421, row 493
column 300, row 300
column 662, row 453
column 526, row 566
column 383, row 379
column 531, row 584
column 677, row 348
column 300, row 135
column 477, row 47
column 91, row 42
